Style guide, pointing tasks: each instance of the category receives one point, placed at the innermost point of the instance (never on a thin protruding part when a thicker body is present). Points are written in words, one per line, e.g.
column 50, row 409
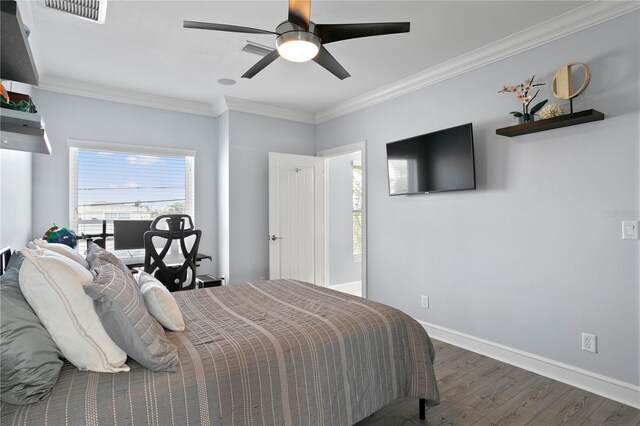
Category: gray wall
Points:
column 15, row 198
column 534, row 256
column 343, row 267
column 251, row 138
column 75, row 117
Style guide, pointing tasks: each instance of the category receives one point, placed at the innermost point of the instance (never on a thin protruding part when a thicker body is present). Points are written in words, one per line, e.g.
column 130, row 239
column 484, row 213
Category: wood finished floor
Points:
column 477, row 390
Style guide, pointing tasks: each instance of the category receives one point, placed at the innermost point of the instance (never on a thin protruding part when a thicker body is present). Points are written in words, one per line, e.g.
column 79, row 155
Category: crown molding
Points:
column 219, row 106
column 578, row 19
column 251, row 107
column 215, row 109
column 73, row 87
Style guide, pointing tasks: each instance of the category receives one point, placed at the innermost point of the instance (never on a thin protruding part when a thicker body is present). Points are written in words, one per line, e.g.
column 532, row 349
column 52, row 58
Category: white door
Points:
column 296, row 207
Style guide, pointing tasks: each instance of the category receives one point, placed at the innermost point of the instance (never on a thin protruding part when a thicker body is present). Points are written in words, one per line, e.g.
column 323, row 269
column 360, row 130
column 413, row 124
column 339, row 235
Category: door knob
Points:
column 273, row 238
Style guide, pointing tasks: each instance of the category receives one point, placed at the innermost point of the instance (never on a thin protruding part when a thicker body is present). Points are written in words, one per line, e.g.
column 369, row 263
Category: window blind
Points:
column 127, row 186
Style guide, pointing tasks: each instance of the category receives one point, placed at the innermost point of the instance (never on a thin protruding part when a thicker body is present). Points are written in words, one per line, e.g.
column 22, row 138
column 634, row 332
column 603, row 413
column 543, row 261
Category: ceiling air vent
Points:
column 256, row 48
column 93, row 10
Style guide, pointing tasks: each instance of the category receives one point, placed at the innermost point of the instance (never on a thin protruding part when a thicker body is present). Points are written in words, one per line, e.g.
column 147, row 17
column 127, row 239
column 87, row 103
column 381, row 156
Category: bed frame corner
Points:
column 5, row 254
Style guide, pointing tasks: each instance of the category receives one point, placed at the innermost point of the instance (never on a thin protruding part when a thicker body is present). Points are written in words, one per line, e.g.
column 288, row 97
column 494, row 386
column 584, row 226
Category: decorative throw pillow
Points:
column 98, row 257
column 160, row 302
column 121, row 308
column 62, row 249
column 30, row 359
column 53, row 286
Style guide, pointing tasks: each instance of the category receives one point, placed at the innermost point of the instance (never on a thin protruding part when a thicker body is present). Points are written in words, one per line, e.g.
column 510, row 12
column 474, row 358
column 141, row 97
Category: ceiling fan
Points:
column 300, row 39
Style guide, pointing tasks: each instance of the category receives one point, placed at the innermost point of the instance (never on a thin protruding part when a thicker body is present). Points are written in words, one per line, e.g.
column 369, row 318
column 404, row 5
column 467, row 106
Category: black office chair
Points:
column 173, row 277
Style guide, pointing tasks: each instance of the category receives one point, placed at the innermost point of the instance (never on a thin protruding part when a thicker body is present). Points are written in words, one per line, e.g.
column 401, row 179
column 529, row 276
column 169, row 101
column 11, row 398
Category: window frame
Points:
column 75, row 145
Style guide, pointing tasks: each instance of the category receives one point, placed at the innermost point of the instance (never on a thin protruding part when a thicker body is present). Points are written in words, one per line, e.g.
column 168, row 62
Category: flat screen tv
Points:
column 434, row 162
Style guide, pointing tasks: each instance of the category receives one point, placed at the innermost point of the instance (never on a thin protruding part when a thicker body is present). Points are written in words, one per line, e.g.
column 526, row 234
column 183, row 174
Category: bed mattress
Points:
column 277, row 352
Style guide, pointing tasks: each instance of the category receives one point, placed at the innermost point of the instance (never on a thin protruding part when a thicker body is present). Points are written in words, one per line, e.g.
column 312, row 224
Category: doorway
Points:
column 345, row 219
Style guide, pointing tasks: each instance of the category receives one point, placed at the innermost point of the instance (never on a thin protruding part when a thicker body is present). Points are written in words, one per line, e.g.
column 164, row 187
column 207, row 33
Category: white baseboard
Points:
column 608, row 387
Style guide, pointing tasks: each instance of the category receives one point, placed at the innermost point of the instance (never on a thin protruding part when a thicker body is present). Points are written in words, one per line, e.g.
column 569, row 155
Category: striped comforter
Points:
column 273, row 352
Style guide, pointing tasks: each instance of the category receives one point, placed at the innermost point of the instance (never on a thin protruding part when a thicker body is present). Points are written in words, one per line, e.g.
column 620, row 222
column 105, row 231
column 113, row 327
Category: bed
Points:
column 278, row 352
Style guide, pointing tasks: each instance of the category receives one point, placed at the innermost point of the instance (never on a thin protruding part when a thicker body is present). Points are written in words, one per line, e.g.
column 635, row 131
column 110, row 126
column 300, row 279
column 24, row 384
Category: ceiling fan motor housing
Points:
column 296, row 43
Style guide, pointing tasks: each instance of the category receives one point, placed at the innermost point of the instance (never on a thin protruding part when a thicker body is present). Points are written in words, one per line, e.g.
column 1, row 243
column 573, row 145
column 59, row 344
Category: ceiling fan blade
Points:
column 336, row 32
column 224, row 27
column 261, row 64
column 300, row 12
column 326, row 60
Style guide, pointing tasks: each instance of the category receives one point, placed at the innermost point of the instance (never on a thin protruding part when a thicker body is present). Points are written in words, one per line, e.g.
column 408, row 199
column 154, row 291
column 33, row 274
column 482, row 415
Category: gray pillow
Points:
column 121, row 309
column 98, row 257
column 30, row 359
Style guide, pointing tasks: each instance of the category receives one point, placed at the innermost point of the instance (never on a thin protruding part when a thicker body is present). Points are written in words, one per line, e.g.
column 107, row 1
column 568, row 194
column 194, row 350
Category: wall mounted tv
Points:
column 434, row 162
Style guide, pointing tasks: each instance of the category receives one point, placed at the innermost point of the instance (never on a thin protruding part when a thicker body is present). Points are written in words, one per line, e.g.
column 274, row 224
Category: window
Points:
column 357, row 208
column 111, row 183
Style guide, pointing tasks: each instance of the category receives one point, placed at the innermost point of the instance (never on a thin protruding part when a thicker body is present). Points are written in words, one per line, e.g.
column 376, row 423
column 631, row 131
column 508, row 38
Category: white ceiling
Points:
column 142, row 47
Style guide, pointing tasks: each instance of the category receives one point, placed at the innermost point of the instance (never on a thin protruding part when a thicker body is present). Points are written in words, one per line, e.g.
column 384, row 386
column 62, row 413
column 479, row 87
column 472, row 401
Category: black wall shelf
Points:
column 585, row 116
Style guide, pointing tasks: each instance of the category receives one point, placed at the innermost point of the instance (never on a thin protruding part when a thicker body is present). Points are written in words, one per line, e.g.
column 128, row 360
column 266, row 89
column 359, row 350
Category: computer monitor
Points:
column 129, row 234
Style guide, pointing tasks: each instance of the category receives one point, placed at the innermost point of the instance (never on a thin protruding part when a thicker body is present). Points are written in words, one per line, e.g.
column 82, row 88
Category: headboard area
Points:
column 5, row 254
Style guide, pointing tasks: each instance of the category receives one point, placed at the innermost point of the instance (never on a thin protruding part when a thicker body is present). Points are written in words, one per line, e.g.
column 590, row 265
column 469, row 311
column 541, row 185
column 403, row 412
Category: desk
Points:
column 137, row 261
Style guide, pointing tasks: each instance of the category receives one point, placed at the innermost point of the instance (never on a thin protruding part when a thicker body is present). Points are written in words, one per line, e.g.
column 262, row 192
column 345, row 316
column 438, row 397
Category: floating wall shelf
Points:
column 552, row 123
column 23, row 131
column 16, row 60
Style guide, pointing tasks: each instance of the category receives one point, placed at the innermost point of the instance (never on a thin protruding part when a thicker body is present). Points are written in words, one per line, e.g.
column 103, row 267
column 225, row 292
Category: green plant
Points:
column 522, row 92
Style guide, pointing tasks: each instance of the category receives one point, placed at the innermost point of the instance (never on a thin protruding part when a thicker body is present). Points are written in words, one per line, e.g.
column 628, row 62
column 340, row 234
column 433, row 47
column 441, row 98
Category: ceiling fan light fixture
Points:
column 298, row 46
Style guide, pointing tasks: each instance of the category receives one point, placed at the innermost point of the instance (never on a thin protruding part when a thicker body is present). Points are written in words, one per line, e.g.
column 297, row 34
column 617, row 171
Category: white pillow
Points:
column 62, row 249
column 160, row 302
column 53, row 286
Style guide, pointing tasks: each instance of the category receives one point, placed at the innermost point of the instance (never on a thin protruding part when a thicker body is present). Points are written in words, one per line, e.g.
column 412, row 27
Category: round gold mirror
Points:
column 562, row 84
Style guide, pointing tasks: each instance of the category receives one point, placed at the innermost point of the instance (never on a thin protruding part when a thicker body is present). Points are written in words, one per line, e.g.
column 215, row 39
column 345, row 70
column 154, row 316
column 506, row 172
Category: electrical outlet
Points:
column 425, row 302
column 589, row 342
